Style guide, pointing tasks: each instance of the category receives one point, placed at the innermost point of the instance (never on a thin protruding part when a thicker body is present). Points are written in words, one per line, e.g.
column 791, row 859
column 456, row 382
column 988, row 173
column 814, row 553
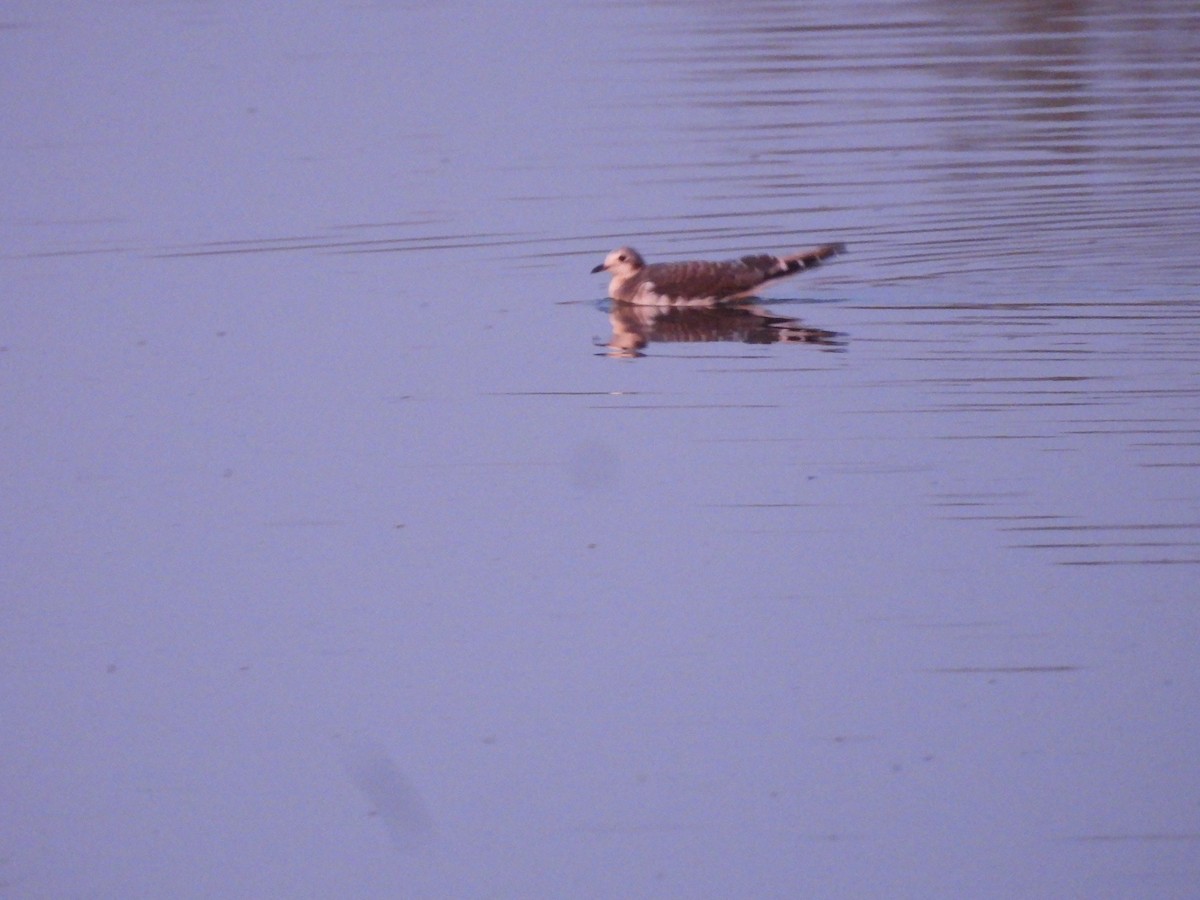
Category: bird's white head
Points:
column 622, row 262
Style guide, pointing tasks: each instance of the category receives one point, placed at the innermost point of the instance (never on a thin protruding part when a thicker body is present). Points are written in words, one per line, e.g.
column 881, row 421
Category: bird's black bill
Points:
column 599, row 268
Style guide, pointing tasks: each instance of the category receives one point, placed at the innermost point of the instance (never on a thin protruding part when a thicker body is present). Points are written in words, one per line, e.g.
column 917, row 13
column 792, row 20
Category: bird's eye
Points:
column 621, row 258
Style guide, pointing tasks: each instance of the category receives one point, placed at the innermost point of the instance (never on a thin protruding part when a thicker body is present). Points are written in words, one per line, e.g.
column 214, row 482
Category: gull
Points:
column 700, row 282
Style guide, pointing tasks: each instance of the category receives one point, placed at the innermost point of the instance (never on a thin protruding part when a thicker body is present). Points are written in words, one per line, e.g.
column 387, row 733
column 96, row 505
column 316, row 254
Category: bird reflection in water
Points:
column 636, row 326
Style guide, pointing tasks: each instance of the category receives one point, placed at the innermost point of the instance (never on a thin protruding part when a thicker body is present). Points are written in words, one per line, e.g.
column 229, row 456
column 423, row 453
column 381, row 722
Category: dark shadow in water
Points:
column 392, row 798
column 636, row 326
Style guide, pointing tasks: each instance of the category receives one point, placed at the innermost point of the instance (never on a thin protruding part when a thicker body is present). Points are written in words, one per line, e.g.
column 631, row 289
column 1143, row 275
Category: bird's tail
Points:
column 809, row 259
column 770, row 267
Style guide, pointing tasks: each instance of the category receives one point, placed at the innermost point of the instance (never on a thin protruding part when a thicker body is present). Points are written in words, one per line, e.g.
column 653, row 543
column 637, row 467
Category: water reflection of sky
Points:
column 341, row 555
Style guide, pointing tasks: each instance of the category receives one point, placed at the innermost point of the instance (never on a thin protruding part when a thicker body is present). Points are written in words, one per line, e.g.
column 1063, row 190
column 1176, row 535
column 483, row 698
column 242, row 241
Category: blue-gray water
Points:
column 343, row 555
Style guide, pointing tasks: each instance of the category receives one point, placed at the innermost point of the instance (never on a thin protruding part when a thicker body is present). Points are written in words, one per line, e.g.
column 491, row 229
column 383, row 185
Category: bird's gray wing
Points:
column 700, row 278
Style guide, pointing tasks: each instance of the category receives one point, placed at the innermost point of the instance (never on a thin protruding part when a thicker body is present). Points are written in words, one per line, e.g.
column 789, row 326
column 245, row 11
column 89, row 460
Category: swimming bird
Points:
column 700, row 282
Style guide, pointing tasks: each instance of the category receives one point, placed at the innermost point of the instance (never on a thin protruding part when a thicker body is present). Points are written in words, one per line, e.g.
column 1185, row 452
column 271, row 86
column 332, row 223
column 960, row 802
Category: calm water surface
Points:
column 354, row 545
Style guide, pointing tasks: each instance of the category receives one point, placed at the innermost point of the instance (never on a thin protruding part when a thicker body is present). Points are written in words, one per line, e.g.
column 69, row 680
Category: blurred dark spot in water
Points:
column 391, row 796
